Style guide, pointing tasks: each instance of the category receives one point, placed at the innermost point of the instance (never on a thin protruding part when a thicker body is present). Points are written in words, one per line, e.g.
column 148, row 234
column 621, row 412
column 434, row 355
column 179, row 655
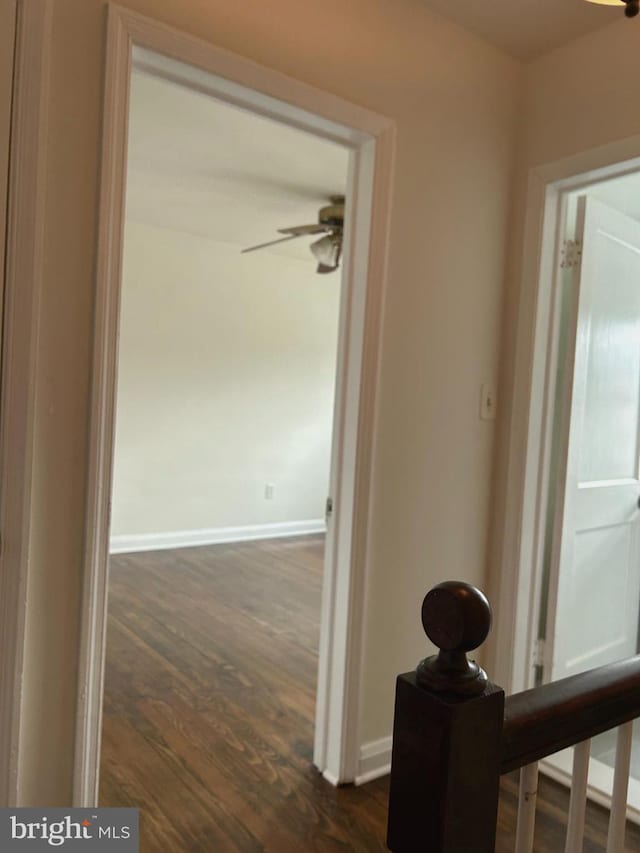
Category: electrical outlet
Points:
column 269, row 491
column 488, row 402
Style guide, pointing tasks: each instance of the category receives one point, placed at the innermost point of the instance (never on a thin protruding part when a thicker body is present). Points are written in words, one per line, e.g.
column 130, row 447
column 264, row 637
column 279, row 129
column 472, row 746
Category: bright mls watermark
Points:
column 103, row 830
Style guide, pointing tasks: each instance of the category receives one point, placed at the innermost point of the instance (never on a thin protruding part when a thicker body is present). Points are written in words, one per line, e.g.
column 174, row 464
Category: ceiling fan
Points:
column 327, row 249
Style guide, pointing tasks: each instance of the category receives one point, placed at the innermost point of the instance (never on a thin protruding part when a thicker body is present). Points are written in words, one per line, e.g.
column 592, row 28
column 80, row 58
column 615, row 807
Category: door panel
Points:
column 598, row 560
column 599, row 635
column 609, row 436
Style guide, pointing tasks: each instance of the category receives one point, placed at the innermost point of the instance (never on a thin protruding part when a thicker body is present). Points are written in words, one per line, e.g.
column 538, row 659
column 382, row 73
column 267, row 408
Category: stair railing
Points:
column 455, row 734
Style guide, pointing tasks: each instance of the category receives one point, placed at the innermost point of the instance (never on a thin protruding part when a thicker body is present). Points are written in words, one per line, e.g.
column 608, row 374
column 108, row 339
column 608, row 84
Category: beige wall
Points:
column 576, row 98
column 582, row 96
column 454, row 100
column 226, row 376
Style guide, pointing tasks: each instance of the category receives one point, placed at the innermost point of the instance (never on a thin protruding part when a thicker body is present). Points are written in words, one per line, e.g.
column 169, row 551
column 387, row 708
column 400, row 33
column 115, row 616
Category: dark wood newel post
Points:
column 445, row 768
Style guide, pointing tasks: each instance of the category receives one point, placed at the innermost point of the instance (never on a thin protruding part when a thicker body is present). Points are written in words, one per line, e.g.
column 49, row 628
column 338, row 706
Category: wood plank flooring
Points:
column 209, row 710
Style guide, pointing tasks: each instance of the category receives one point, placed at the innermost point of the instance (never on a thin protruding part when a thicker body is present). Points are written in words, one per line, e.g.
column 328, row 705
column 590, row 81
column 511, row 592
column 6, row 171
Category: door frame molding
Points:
column 161, row 49
column 532, row 413
column 23, row 275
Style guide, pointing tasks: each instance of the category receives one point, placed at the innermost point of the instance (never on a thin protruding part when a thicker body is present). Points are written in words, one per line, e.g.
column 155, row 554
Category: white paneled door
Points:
column 595, row 578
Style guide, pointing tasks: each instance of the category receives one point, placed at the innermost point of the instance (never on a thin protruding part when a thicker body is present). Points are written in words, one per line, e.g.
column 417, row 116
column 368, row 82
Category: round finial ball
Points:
column 632, row 8
column 456, row 616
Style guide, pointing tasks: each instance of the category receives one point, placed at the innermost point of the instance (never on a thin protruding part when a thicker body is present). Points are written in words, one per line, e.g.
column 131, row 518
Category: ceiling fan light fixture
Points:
column 326, row 251
column 631, row 6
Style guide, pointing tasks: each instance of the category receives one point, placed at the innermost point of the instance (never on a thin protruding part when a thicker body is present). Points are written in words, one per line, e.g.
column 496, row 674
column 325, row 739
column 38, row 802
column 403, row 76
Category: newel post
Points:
column 445, row 768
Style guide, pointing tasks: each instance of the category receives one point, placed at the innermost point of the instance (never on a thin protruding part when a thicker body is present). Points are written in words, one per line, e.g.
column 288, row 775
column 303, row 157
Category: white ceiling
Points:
column 528, row 28
column 209, row 169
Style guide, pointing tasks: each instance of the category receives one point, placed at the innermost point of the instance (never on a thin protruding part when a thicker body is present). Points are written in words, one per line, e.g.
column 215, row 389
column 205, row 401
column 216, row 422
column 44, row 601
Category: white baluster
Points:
column 578, row 801
column 527, row 808
column 615, row 842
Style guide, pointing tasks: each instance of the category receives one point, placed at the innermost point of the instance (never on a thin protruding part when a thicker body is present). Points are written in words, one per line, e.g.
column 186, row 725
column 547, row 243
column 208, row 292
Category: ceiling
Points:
column 527, row 28
column 212, row 170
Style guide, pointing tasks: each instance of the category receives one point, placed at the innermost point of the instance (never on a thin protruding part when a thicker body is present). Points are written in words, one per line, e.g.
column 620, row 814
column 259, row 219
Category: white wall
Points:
column 454, row 100
column 226, row 378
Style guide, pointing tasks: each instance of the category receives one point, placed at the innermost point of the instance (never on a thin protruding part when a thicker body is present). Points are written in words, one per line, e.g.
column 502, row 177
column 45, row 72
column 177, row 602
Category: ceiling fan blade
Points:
column 305, row 229
column 270, row 243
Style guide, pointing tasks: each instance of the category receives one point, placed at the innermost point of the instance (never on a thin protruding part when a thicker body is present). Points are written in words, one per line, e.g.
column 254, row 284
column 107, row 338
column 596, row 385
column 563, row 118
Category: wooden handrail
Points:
column 546, row 719
column 455, row 734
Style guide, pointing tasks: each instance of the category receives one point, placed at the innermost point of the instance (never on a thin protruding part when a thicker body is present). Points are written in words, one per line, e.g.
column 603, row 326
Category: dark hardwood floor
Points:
column 209, row 708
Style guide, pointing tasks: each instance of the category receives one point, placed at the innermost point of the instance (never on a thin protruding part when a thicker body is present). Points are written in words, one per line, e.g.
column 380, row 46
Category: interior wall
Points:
column 453, row 98
column 226, row 375
column 576, row 98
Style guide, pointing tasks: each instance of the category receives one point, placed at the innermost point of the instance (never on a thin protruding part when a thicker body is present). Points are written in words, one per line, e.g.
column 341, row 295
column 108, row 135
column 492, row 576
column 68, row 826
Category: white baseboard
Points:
column 127, row 544
column 374, row 761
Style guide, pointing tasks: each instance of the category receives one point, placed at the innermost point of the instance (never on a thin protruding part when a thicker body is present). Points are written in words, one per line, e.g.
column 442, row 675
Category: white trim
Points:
column 515, row 655
column 330, row 778
column 528, row 442
column 24, row 268
column 108, row 265
column 338, row 702
column 375, row 760
column 130, row 543
column 329, row 117
column 371, row 139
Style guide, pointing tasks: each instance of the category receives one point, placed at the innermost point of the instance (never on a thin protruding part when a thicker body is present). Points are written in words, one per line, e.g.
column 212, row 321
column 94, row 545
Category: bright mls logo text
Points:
column 57, row 832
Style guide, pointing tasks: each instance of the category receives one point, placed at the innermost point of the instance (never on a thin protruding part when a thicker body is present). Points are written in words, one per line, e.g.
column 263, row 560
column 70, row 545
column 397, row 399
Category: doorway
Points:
column 227, row 364
column 176, row 57
column 584, row 571
column 592, row 596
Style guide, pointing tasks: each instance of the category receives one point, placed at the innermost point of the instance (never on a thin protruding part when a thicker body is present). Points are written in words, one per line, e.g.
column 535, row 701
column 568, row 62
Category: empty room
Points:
column 227, row 359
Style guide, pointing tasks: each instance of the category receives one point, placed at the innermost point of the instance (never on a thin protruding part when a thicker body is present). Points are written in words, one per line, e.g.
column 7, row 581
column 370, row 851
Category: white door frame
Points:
column 371, row 138
column 23, row 271
column 533, row 406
